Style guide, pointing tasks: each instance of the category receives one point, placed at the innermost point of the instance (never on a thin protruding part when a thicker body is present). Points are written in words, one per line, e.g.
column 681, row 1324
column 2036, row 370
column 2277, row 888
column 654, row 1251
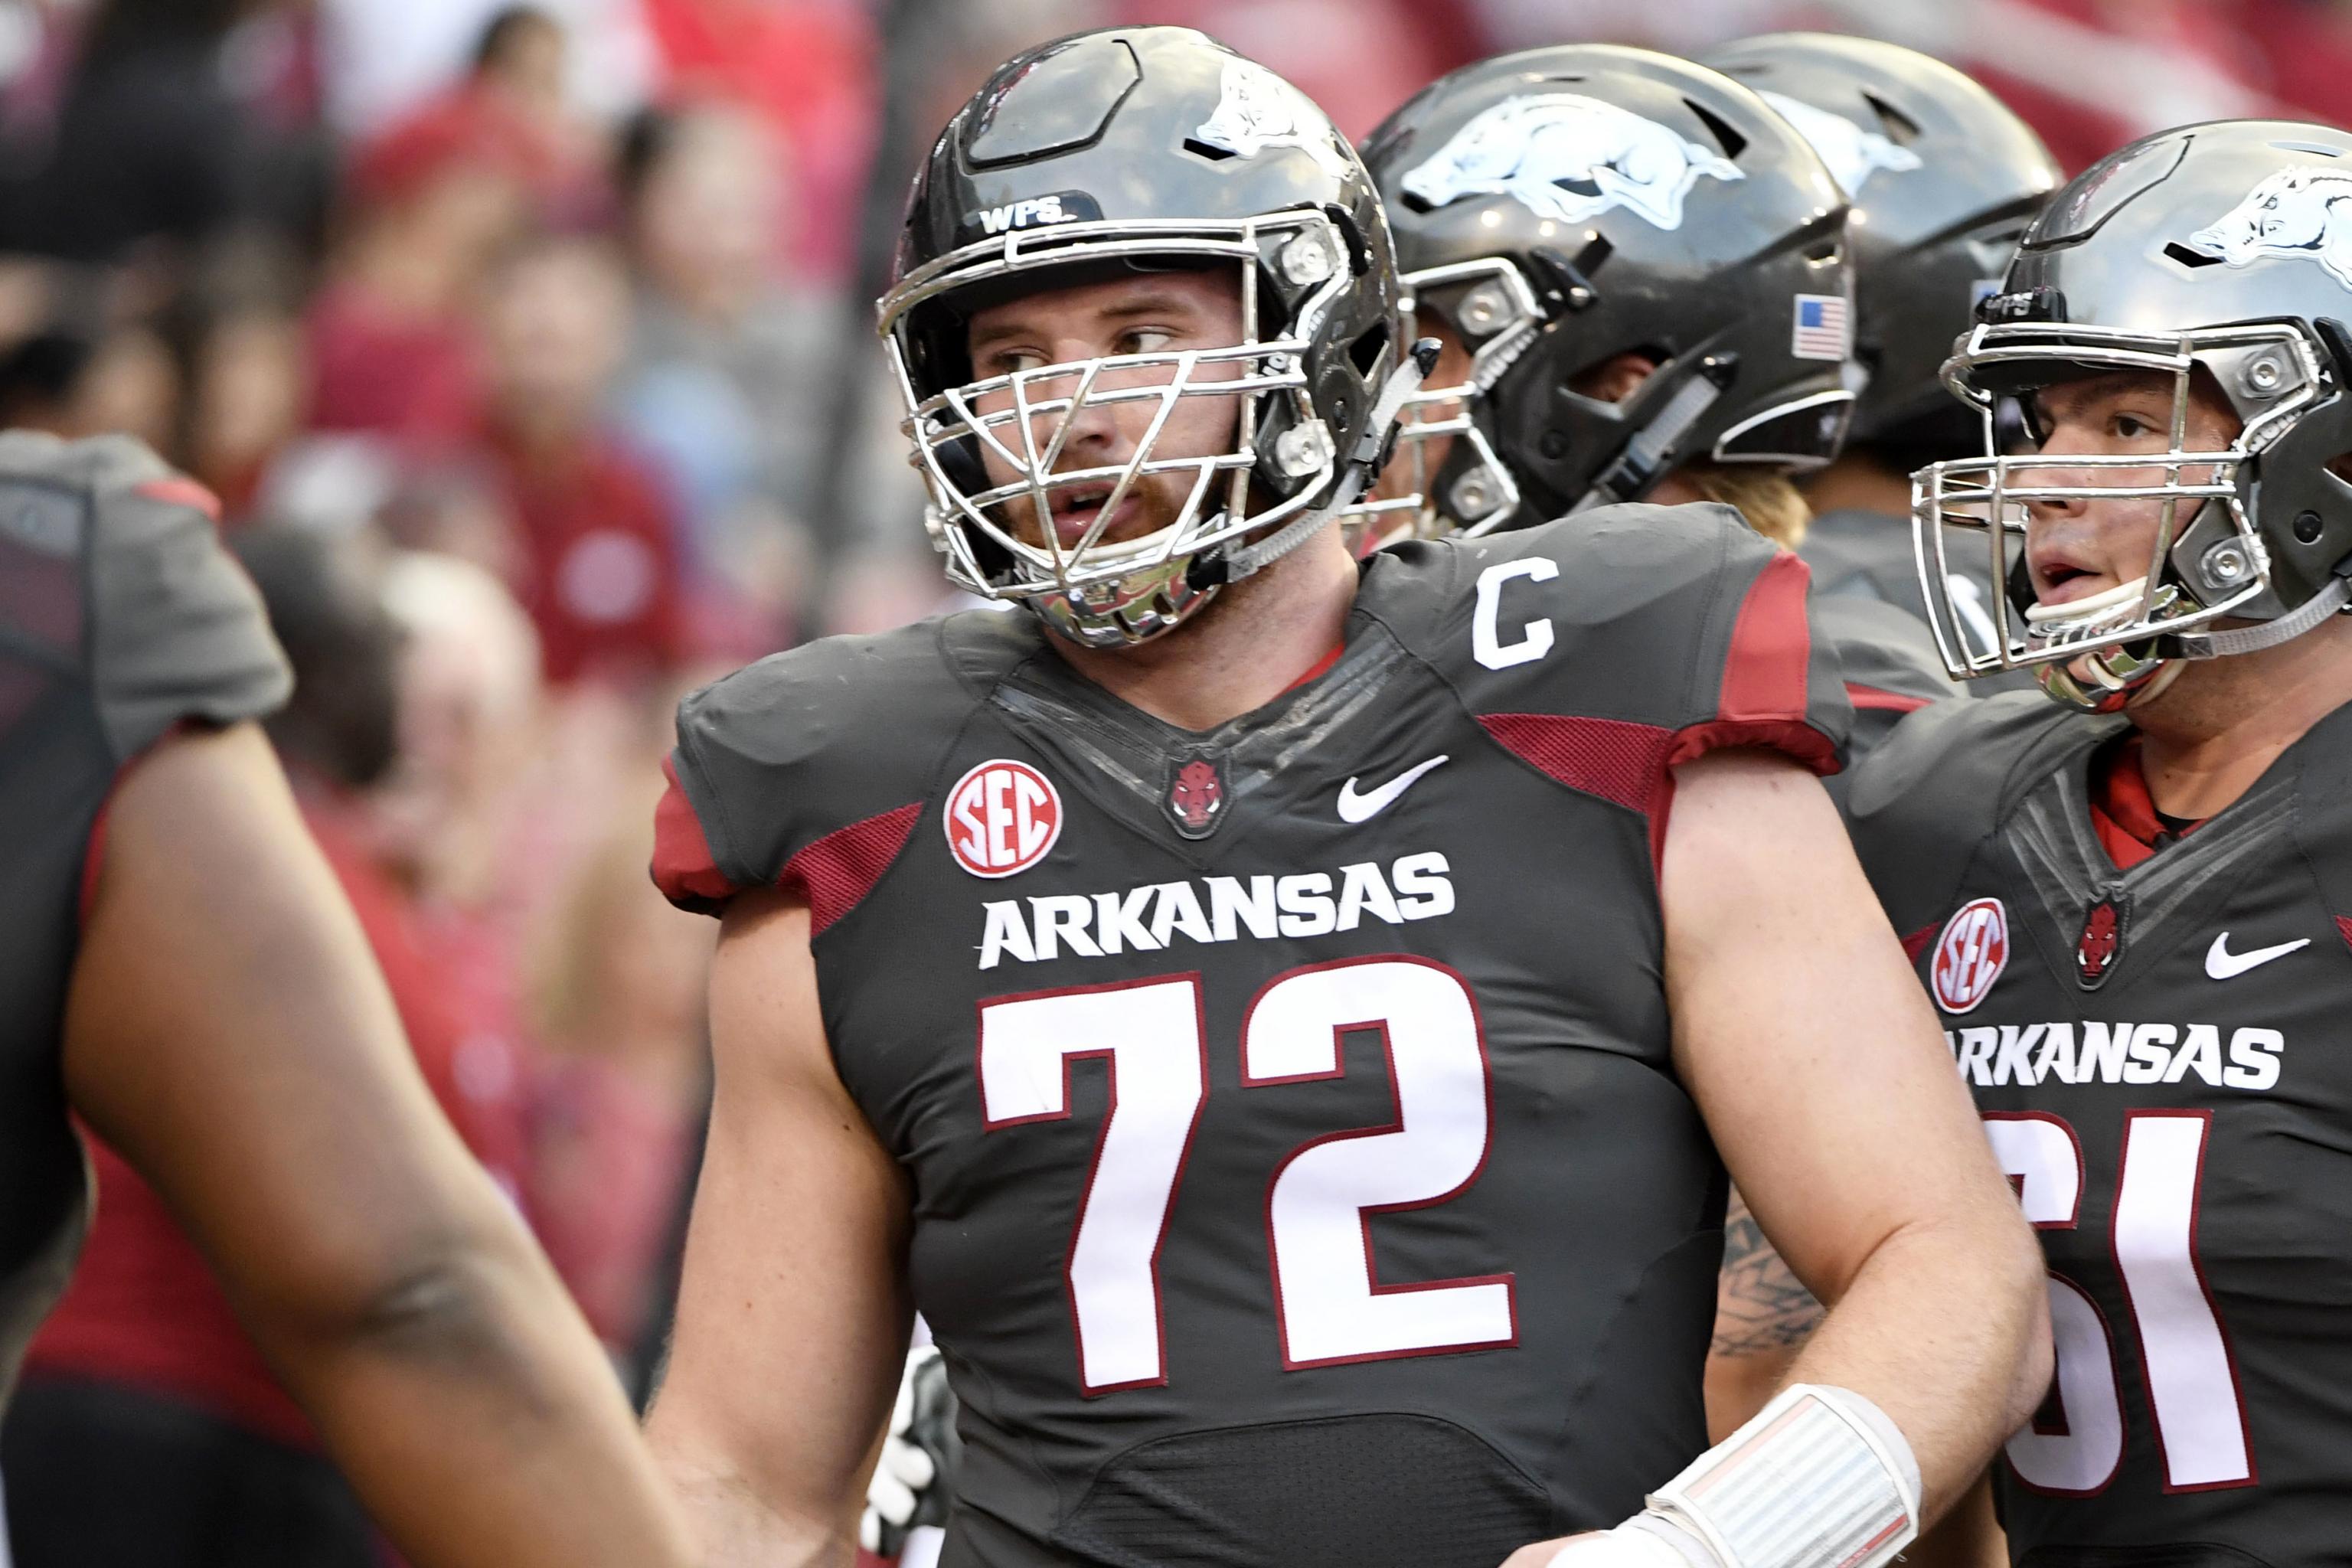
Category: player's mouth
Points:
column 2060, row 580
column 1076, row 507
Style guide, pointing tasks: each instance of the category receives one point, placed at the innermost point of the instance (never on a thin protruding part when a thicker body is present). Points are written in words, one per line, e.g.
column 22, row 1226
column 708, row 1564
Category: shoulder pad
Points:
column 175, row 629
column 1681, row 622
column 1944, row 781
column 808, row 767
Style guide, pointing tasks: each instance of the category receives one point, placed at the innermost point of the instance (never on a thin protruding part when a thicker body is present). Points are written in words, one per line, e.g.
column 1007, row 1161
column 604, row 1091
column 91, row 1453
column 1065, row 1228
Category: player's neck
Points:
column 2223, row 722
column 1242, row 649
column 1858, row 482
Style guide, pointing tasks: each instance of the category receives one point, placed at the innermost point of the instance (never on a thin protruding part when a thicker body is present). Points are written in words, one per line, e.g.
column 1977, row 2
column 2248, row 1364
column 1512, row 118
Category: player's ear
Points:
column 1616, row 378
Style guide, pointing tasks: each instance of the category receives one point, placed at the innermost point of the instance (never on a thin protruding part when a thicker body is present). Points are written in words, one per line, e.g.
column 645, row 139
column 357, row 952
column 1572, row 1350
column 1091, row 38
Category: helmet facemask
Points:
column 1468, row 491
column 1279, row 478
column 2208, row 562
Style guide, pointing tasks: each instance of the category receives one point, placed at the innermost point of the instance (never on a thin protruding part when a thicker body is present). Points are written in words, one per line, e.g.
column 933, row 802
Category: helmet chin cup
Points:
column 2108, row 680
column 1148, row 603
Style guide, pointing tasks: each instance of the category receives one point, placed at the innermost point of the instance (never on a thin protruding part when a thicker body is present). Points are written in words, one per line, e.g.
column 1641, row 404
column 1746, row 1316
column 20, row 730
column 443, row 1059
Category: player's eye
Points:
column 1145, row 340
column 2131, row 426
column 1013, row 362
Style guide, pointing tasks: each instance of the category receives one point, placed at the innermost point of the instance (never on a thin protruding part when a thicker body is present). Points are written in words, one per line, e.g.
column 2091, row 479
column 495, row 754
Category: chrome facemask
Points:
column 1490, row 308
column 1108, row 594
column 2104, row 652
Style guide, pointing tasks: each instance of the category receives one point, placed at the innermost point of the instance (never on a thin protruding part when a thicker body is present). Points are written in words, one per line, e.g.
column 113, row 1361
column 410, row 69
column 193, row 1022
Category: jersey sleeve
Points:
column 807, row 770
column 176, row 630
column 1677, row 626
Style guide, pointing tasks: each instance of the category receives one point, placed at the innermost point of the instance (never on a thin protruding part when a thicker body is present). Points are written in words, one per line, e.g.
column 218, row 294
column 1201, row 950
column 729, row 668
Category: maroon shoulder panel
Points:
column 840, row 868
column 1615, row 759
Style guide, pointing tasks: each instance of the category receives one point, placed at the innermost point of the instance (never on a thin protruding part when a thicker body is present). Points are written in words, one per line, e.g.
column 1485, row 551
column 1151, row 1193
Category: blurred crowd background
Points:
column 527, row 350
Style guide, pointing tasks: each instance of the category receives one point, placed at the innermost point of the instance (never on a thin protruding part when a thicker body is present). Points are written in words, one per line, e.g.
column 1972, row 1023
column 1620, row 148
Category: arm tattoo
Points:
column 1759, row 1305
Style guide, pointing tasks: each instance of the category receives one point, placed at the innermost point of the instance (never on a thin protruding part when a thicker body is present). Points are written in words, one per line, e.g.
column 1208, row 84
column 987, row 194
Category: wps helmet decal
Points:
column 2301, row 211
column 1003, row 817
column 1568, row 157
column 1970, row 954
column 1853, row 153
column 1257, row 110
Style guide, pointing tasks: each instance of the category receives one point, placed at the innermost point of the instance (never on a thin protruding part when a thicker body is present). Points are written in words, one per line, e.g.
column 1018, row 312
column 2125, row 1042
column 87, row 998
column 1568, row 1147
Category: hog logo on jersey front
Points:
column 1002, row 817
column 1196, row 796
column 1570, row 158
column 1970, row 954
column 2102, row 943
column 2299, row 211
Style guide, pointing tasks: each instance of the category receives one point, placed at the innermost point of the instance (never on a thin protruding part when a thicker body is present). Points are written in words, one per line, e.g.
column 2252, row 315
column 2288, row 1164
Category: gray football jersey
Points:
column 1301, row 1171
column 2160, row 1058
column 120, row 616
column 1867, row 556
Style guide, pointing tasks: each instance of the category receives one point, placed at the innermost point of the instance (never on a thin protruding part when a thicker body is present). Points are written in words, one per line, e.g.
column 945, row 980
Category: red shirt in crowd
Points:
column 144, row 1309
column 371, row 370
column 603, row 571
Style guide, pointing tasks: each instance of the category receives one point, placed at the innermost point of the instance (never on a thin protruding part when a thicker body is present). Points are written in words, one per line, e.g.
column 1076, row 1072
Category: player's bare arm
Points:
column 1763, row 1315
column 1828, row 1089
column 792, row 1316
column 227, row 1031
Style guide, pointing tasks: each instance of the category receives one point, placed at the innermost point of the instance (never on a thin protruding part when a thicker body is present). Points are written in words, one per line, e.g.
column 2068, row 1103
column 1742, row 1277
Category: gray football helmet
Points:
column 1144, row 149
column 1943, row 177
column 2224, row 248
column 1560, row 207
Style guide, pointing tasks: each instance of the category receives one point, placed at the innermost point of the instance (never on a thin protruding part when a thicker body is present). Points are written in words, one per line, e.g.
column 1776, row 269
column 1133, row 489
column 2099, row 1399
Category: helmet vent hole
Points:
column 2187, row 258
column 1212, row 154
column 1901, row 129
column 1365, row 352
column 1732, row 143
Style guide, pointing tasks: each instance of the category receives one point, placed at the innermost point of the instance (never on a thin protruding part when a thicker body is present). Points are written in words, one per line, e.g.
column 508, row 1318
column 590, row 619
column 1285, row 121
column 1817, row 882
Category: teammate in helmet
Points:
column 1276, row 1018
column 1638, row 269
column 2131, row 904
column 180, row 974
column 1943, row 177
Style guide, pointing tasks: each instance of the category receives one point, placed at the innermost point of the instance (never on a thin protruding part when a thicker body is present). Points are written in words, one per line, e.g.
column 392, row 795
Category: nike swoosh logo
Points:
column 2221, row 963
column 1354, row 808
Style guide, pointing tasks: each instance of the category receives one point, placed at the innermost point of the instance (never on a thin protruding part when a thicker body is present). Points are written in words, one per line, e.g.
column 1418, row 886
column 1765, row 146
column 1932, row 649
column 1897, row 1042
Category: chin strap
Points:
column 1652, row 450
column 2269, row 634
column 1356, row 474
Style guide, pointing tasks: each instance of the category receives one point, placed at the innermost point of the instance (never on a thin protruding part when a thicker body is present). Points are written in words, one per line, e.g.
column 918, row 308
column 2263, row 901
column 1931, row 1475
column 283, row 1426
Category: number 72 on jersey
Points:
column 1153, row 1035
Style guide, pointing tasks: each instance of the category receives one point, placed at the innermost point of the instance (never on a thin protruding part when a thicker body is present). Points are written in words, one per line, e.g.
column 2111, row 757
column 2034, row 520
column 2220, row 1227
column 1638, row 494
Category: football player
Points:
column 1943, row 177
column 1278, row 1019
column 181, row 974
column 1638, row 271
column 2130, row 903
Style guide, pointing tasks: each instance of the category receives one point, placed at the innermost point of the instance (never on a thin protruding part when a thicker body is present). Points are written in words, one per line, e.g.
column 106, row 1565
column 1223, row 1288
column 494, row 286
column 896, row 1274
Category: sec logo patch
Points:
column 1969, row 955
column 1003, row 817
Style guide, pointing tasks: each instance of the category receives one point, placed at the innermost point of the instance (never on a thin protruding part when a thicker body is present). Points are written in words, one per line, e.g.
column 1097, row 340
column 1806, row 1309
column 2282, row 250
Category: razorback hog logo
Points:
column 1853, row 153
column 1195, row 797
column 1257, row 110
column 1562, row 155
column 2298, row 211
column 2103, row 937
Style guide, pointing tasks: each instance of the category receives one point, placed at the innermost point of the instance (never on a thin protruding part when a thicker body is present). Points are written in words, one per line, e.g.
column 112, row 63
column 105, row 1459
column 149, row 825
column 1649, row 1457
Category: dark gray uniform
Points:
column 1397, row 1243
column 1867, row 556
column 2161, row 1056
column 120, row 616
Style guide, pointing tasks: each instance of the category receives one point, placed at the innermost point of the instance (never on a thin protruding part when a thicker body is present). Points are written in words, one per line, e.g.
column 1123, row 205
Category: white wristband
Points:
column 1819, row 1479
